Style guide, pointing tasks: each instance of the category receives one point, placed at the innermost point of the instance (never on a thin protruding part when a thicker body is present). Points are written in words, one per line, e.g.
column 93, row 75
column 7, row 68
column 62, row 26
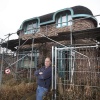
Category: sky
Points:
column 14, row 12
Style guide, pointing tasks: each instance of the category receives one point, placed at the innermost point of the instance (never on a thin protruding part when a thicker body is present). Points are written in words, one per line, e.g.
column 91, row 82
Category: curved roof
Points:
column 81, row 10
column 76, row 12
column 46, row 17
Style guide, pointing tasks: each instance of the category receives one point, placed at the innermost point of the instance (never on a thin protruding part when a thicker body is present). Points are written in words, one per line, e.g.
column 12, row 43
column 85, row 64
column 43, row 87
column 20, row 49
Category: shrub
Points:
column 16, row 91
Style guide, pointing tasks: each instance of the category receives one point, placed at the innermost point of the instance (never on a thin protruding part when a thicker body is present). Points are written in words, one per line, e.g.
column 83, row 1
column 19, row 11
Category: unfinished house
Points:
column 71, row 38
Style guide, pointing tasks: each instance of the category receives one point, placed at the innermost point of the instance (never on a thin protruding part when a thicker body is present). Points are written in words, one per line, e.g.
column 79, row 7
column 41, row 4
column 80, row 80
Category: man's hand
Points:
column 40, row 73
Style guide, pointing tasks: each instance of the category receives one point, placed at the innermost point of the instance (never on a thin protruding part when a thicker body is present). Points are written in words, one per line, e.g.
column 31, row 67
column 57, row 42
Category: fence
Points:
column 76, row 73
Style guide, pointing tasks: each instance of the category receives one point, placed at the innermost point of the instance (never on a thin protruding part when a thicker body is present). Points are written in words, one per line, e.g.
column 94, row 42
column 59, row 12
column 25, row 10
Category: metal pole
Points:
column 71, row 42
column 64, row 48
column 35, row 61
column 52, row 65
column 55, row 71
column 71, row 36
column 7, row 43
column 31, row 60
column 17, row 54
column 1, row 69
column 0, row 46
column 71, row 65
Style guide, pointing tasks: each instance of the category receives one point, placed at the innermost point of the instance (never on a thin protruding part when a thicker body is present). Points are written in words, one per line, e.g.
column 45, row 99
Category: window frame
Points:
column 32, row 29
column 35, row 55
column 59, row 17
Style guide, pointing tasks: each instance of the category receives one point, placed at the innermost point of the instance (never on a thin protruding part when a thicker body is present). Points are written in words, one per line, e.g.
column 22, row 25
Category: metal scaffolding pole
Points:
column 31, row 60
column 1, row 69
column 53, row 71
column 55, row 88
column 52, row 66
column 71, row 58
column 17, row 54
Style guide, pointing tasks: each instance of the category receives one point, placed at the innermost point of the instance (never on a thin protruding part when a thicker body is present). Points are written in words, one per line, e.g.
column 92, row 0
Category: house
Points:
column 56, row 26
column 71, row 27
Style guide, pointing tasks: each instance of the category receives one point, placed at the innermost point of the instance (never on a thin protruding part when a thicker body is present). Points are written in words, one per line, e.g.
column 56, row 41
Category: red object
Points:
column 7, row 71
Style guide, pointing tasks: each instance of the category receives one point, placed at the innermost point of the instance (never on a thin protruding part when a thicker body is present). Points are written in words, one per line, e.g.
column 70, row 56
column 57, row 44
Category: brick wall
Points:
column 82, row 25
column 52, row 30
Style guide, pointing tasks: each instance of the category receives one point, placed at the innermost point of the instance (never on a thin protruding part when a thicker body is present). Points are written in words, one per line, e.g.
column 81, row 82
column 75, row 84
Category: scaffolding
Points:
column 75, row 71
column 20, row 63
column 69, row 65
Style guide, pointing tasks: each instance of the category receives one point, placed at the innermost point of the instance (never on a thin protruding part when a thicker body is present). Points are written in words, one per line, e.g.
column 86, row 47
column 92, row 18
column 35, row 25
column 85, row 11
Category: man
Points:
column 43, row 75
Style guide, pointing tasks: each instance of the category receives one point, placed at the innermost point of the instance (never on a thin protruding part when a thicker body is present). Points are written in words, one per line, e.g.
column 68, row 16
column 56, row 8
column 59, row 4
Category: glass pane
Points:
column 29, row 27
column 34, row 25
column 26, row 63
column 63, row 20
column 58, row 22
column 69, row 20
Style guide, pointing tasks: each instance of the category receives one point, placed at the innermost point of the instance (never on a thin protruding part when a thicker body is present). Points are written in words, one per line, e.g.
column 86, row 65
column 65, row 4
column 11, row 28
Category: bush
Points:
column 16, row 91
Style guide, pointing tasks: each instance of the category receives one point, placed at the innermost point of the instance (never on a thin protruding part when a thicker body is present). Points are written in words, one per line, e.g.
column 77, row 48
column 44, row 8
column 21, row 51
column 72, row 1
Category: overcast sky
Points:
column 14, row 12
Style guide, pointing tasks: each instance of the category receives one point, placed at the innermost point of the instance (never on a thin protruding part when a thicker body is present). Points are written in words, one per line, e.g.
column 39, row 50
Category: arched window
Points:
column 31, row 27
column 63, row 20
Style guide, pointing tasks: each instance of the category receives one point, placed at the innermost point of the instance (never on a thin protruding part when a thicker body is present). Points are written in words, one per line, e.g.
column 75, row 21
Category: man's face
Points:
column 47, row 62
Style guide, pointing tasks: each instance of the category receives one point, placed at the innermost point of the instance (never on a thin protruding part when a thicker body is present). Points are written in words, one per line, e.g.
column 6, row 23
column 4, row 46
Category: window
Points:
column 63, row 20
column 66, row 64
column 28, row 60
column 31, row 28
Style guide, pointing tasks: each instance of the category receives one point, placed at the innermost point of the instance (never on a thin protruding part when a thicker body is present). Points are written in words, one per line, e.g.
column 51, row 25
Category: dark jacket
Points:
column 44, row 80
